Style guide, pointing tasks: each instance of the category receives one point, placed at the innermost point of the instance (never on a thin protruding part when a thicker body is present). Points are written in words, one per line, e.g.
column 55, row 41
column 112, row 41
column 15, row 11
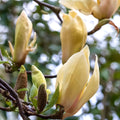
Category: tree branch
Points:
column 1, row 56
column 55, row 9
column 14, row 94
column 46, row 76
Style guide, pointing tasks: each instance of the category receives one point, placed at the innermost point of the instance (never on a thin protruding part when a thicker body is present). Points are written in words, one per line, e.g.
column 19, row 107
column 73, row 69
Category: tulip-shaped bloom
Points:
column 75, row 86
column 99, row 8
column 73, row 35
column 22, row 36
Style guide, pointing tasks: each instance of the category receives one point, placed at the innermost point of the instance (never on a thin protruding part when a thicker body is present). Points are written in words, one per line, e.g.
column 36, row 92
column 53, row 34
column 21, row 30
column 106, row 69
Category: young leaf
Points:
column 33, row 94
column 53, row 100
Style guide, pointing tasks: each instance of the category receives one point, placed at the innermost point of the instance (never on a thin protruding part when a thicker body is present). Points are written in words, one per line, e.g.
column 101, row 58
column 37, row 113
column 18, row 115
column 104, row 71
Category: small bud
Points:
column 22, row 36
column 21, row 82
column 73, row 35
column 42, row 98
column 37, row 77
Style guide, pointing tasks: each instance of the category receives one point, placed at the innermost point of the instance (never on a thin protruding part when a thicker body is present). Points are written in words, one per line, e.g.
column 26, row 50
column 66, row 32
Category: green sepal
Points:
column 22, row 69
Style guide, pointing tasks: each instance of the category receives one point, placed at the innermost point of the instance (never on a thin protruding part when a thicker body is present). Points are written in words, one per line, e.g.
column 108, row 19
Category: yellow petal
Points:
column 105, row 8
column 74, row 77
column 91, row 89
column 73, row 35
column 84, row 6
column 22, row 35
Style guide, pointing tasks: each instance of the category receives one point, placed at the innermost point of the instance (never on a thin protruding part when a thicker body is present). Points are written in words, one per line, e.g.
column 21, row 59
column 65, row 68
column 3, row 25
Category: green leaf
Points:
column 53, row 100
column 33, row 92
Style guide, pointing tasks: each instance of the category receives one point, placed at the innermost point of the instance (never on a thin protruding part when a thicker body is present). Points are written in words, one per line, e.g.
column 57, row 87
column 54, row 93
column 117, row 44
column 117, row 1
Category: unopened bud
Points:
column 42, row 97
column 73, row 35
column 21, row 82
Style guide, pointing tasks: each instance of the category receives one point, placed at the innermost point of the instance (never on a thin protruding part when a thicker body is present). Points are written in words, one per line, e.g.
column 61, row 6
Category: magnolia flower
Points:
column 105, row 8
column 75, row 86
column 22, row 36
column 99, row 8
column 73, row 35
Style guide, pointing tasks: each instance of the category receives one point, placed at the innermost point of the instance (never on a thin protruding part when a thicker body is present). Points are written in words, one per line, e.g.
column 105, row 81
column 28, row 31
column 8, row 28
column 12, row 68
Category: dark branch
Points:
column 6, row 109
column 46, row 76
column 6, row 94
column 55, row 9
column 14, row 94
column 1, row 56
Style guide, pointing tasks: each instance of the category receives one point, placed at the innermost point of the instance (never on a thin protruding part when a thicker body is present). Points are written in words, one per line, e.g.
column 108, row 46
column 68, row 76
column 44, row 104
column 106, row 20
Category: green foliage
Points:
column 33, row 94
column 53, row 99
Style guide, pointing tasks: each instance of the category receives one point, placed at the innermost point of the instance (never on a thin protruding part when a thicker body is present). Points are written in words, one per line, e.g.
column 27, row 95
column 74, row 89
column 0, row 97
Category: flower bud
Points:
column 38, row 77
column 22, row 36
column 21, row 82
column 73, row 35
column 75, row 87
column 42, row 98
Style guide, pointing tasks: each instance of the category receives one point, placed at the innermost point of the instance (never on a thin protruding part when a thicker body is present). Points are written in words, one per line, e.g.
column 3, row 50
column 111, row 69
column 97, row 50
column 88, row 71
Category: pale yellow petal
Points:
column 73, row 35
column 91, row 89
column 59, row 79
column 105, row 8
column 84, row 6
column 87, row 54
column 75, row 76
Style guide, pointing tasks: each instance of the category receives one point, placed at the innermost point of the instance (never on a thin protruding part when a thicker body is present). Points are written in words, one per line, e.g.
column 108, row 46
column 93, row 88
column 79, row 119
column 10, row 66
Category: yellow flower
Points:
column 100, row 9
column 105, row 8
column 84, row 6
column 22, row 36
column 75, row 87
column 73, row 35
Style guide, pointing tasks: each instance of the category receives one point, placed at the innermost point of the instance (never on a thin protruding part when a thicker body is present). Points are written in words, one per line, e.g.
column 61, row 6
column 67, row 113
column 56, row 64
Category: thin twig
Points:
column 7, row 94
column 1, row 56
column 55, row 9
column 46, row 76
column 14, row 94
column 6, row 109
column 57, row 115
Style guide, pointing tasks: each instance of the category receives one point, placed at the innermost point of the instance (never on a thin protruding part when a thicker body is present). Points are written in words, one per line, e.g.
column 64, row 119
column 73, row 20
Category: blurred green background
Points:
column 105, row 105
